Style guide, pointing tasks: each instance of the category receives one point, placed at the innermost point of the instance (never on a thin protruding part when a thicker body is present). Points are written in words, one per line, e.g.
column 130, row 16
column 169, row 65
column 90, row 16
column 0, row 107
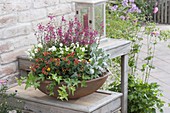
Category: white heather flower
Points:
column 86, row 46
column 62, row 52
column 72, row 45
column 83, row 49
column 32, row 54
column 40, row 45
column 61, row 48
column 30, row 57
column 53, row 48
column 61, row 44
column 36, row 50
column 27, row 53
column 29, row 50
column 77, row 44
column 67, row 48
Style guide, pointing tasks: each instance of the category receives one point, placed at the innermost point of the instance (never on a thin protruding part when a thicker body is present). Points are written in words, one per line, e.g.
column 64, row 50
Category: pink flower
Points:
column 40, row 27
column 50, row 28
column 155, row 10
column 59, row 31
column 3, row 81
column 51, row 17
column 155, row 33
column 63, row 19
column 47, row 38
column 114, row 8
column 122, row 17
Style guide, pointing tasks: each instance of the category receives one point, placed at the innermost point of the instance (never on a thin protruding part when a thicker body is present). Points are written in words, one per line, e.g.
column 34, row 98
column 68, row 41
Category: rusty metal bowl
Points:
column 91, row 86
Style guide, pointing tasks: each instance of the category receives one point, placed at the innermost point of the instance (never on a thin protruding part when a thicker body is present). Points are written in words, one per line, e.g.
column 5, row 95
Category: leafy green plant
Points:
column 142, row 97
column 123, row 23
column 5, row 104
column 66, row 55
column 147, row 7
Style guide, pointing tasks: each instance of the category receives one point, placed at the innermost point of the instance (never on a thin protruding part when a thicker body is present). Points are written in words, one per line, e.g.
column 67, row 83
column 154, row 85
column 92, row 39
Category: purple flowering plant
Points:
column 69, row 33
column 148, row 7
column 67, row 53
column 126, row 6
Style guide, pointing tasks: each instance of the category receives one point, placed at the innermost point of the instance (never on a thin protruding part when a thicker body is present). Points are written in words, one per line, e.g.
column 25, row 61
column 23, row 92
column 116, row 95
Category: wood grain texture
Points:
column 38, row 102
column 168, row 10
column 124, row 82
column 165, row 11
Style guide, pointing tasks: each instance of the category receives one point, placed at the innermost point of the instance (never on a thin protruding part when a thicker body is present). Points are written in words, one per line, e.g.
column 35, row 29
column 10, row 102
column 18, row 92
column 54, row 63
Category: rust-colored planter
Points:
column 92, row 86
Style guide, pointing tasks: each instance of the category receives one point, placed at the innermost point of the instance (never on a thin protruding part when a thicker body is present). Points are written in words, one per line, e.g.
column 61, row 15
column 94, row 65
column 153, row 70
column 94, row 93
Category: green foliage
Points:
column 63, row 95
column 143, row 97
column 5, row 104
column 147, row 7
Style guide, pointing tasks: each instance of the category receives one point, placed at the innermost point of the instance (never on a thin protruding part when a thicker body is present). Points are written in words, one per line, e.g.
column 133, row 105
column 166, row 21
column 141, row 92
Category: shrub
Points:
column 125, row 21
column 143, row 97
column 5, row 104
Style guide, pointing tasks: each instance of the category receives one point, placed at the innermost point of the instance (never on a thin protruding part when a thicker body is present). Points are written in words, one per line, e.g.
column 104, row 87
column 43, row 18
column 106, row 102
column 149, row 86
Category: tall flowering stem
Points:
column 73, row 32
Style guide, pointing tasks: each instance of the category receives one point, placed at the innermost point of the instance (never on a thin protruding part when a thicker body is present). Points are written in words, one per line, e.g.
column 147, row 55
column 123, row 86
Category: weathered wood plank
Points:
column 166, row 12
column 38, row 102
column 112, row 107
column 162, row 11
column 24, row 63
column 154, row 15
column 115, row 47
column 158, row 15
column 124, row 82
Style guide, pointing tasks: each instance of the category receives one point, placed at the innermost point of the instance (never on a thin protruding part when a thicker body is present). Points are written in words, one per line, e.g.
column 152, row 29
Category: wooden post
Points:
column 159, row 13
column 155, row 15
column 162, row 11
column 166, row 12
column 124, row 82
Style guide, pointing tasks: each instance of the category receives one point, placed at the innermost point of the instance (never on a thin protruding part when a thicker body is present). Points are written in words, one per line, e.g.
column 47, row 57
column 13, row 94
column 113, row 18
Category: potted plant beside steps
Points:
column 67, row 62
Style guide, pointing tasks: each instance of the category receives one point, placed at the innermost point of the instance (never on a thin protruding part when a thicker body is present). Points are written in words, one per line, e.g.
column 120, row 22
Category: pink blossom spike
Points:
column 155, row 33
column 63, row 19
column 51, row 17
column 40, row 27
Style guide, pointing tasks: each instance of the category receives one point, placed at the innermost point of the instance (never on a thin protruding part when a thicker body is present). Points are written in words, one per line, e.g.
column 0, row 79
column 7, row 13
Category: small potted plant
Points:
column 67, row 60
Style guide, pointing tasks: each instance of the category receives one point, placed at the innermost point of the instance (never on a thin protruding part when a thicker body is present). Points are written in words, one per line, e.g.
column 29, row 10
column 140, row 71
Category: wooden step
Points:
column 37, row 102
